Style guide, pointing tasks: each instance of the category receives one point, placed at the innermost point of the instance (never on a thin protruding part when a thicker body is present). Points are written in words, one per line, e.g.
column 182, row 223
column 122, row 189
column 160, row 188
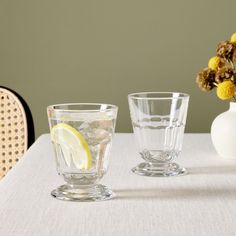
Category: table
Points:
column 200, row 203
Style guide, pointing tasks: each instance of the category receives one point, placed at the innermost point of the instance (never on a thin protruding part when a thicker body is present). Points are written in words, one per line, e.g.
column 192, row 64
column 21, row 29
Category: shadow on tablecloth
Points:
column 176, row 193
column 213, row 170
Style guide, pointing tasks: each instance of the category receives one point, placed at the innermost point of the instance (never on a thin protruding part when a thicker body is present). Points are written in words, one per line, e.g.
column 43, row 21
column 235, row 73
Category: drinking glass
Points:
column 81, row 134
column 158, row 120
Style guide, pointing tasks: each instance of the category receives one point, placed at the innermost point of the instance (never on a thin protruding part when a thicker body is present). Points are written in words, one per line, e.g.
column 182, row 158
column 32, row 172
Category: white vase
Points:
column 223, row 133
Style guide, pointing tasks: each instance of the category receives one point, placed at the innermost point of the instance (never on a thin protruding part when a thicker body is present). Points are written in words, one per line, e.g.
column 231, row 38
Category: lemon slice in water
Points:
column 73, row 145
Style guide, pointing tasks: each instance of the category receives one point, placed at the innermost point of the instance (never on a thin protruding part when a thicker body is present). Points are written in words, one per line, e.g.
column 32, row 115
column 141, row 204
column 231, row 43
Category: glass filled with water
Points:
column 81, row 135
column 158, row 120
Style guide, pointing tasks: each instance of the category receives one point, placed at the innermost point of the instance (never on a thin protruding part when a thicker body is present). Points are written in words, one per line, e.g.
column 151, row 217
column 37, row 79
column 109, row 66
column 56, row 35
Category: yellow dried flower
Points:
column 226, row 90
column 233, row 38
column 214, row 63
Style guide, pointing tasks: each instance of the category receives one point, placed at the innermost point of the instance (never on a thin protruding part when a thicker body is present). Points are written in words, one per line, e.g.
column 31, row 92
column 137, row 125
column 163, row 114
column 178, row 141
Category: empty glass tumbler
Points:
column 82, row 136
column 158, row 120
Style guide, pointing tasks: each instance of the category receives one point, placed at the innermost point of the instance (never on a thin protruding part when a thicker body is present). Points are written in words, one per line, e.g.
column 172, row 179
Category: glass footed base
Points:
column 73, row 193
column 159, row 170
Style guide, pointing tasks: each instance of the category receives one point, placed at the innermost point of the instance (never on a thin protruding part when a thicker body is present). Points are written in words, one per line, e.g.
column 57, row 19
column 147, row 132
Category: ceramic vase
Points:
column 223, row 133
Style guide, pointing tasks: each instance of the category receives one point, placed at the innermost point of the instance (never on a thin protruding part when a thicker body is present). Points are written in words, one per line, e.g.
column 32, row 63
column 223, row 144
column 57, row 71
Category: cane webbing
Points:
column 13, row 131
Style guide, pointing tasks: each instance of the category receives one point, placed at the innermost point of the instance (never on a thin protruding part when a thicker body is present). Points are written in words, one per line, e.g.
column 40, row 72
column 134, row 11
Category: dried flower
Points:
column 224, row 73
column 233, row 38
column 214, row 63
column 225, row 50
column 206, row 79
column 221, row 71
column 226, row 90
column 234, row 56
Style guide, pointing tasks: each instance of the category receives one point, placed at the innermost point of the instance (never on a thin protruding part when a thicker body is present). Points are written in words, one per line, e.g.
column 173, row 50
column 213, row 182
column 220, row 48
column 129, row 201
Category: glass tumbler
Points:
column 82, row 136
column 158, row 120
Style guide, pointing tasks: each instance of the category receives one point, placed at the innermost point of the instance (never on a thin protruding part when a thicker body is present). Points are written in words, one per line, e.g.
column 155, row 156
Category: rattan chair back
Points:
column 13, row 130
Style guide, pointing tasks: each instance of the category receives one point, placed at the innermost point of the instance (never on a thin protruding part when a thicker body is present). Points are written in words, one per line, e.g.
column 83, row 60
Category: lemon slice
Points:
column 73, row 145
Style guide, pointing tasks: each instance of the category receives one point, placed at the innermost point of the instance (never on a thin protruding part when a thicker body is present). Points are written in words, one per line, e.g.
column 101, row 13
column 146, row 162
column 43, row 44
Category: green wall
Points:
column 56, row 51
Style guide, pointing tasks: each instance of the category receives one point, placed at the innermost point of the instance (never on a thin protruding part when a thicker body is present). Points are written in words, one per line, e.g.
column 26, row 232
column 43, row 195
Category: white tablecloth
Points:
column 200, row 203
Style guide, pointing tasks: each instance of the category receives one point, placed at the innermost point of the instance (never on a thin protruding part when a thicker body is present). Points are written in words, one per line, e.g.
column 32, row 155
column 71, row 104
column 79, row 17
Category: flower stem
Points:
column 232, row 64
column 234, row 98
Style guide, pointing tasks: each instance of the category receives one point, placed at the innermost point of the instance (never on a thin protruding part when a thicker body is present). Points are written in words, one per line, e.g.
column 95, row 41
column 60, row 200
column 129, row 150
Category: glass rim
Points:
column 111, row 107
column 180, row 95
